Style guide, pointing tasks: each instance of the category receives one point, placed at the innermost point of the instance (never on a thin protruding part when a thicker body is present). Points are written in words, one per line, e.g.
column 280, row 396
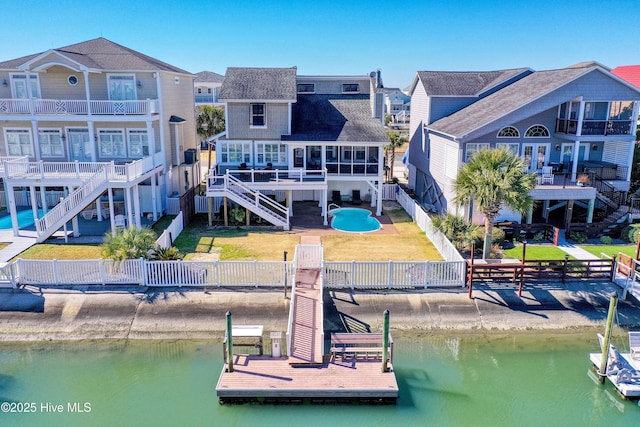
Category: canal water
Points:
column 520, row 380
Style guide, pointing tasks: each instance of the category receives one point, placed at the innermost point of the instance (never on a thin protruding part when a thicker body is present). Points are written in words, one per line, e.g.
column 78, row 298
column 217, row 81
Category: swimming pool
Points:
column 25, row 219
column 354, row 220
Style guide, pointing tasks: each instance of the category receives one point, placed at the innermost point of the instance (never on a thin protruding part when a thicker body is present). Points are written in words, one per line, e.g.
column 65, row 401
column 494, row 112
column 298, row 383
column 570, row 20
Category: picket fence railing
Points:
column 265, row 274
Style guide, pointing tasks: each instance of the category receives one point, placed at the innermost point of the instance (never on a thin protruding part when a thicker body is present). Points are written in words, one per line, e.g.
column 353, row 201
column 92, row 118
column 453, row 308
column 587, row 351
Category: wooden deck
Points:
column 306, row 374
column 265, row 379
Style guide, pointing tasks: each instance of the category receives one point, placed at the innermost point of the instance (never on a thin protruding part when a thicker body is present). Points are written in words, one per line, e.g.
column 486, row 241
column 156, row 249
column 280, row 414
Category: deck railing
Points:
column 78, row 106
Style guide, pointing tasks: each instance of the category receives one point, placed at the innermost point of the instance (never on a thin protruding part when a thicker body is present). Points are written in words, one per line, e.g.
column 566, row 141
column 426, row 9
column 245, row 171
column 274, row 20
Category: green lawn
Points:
column 610, row 250
column 535, row 252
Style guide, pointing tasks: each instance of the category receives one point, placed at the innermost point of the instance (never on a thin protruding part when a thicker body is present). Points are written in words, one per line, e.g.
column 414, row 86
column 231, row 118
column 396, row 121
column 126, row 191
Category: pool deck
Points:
column 307, row 219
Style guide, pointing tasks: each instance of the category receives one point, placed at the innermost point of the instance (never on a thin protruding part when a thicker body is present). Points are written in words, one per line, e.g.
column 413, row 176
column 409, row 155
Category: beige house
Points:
column 99, row 118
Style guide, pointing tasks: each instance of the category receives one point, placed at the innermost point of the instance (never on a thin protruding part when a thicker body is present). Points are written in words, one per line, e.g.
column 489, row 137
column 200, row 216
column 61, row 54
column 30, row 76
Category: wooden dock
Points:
column 624, row 374
column 307, row 374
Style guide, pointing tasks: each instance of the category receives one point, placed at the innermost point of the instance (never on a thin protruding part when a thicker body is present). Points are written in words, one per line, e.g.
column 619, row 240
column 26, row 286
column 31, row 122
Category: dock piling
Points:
column 229, row 344
column 385, row 342
column 602, row 373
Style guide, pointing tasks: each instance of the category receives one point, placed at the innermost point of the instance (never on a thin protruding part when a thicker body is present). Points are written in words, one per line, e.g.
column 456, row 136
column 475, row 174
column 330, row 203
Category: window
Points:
column 18, row 142
column 350, row 88
column 473, row 148
column 271, row 153
column 19, row 86
column 346, row 154
column 50, row 141
column 111, row 143
column 621, row 110
column 306, row 88
column 73, row 80
column 537, row 131
column 258, row 115
column 508, row 132
column 595, row 110
column 513, row 148
column 138, row 143
column 121, row 87
column 235, row 152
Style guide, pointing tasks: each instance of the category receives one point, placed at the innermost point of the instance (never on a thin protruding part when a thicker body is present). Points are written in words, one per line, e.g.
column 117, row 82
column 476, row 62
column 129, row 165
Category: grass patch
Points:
column 410, row 244
column 535, row 252
column 66, row 251
column 4, row 245
column 610, row 250
column 162, row 224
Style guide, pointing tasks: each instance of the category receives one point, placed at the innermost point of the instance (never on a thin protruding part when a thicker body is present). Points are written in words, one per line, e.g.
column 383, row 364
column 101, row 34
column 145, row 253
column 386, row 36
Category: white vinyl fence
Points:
column 171, row 232
column 269, row 274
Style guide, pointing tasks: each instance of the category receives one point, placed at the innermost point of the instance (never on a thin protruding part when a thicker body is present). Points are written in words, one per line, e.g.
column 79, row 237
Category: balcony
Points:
column 595, row 127
column 62, row 107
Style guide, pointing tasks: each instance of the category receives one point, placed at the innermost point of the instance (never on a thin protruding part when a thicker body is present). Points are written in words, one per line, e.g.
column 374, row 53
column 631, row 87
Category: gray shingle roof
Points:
column 464, row 83
column 335, row 118
column 259, row 84
column 103, row 54
column 506, row 100
column 208, row 77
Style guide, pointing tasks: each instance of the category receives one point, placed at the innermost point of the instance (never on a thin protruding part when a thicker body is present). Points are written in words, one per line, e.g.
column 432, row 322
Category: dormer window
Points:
column 258, row 113
column 350, row 88
column 306, row 88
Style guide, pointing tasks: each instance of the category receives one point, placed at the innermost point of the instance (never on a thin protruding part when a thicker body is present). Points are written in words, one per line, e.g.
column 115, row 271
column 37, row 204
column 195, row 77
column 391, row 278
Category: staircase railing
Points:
column 258, row 201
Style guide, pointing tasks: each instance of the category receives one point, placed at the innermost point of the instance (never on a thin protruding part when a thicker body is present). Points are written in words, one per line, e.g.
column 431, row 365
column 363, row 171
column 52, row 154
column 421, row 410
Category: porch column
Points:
column 530, row 215
column 128, row 206
column 36, row 140
column 545, row 209
column 11, row 203
column 92, row 140
column 592, row 204
column 576, row 144
column 87, row 92
column 569, row 212
column 112, row 212
column 99, row 207
column 34, row 202
column 325, row 201
column 379, row 198
column 136, row 205
column 290, row 202
column 154, row 201
column 43, row 199
column 74, row 220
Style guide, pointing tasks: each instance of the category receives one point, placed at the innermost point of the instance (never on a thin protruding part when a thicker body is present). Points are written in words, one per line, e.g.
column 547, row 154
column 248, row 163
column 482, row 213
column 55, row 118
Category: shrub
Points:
column 129, row 243
column 539, row 237
column 497, row 236
column 606, row 240
column 166, row 254
column 578, row 237
column 630, row 233
column 456, row 228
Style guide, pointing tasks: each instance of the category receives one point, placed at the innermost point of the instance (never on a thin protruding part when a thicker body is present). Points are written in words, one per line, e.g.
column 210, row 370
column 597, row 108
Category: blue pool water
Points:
column 354, row 220
column 25, row 219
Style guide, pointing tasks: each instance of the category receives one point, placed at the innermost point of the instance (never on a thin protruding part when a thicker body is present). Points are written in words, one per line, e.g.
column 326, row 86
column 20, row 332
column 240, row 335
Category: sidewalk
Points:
column 573, row 250
column 18, row 244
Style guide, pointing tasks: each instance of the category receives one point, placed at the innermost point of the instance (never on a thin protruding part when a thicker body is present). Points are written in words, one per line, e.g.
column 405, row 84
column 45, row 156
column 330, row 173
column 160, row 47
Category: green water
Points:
column 517, row 381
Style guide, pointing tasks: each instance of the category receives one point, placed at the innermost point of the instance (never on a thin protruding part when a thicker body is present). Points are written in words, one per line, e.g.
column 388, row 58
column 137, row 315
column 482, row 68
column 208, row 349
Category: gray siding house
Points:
column 568, row 123
column 315, row 135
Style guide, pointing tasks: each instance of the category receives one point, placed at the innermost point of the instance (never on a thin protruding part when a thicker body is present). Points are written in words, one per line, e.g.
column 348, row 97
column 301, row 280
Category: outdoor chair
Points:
column 336, row 197
column 547, row 175
column 355, row 197
column 119, row 221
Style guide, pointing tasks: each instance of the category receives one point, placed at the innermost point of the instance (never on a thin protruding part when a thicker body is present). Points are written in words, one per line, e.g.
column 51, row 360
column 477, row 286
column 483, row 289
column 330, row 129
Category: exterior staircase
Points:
column 256, row 202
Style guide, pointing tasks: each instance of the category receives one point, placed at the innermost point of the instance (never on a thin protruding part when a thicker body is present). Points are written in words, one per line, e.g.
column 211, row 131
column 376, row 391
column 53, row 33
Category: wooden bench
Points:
column 359, row 345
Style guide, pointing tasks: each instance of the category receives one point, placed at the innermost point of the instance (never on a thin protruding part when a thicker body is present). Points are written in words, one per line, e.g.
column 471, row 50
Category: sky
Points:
column 348, row 37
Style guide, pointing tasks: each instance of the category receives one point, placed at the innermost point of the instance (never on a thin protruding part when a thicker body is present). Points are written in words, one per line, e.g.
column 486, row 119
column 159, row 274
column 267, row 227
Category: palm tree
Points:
column 494, row 178
column 210, row 121
column 396, row 141
column 129, row 243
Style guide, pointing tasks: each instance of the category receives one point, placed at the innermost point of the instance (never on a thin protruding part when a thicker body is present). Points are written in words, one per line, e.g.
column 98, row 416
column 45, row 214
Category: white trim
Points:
column 19, row 130
column 50, row 130
column 111, row 131
column 27, row 65
column 507, row 137
column 257, row 101
column 135, row 85
column 537, row 137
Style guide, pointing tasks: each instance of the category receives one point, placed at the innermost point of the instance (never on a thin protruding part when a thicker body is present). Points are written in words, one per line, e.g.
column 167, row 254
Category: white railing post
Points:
column 56, row 274
column 390, row 278
column 77, row 165
column 144, row 271
column 353, row 263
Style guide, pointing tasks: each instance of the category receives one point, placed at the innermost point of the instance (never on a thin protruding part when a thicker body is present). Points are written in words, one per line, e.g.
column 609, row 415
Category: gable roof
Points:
column 99, row 54
column 463, row 83
column 630, row 73
column 275, row 84
column 208, row 77
column 335, row 117
column 509, row 99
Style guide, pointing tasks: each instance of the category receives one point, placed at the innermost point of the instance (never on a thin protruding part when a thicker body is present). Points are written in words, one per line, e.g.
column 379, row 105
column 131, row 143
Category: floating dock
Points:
column 349, row 373
column 623, row 372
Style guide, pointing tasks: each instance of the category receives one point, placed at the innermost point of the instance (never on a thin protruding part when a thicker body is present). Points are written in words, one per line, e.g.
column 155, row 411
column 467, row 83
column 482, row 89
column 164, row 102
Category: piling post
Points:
column 602, row 373
column 229, row 344
column 286, row 273
column 473, row 249
column 385, row 342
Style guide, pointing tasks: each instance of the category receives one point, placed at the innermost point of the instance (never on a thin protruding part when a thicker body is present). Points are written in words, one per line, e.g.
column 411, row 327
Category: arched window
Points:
column 537, row 131
column 508, row 132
